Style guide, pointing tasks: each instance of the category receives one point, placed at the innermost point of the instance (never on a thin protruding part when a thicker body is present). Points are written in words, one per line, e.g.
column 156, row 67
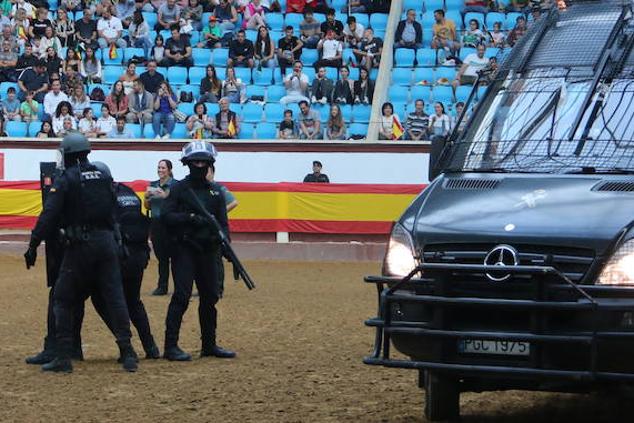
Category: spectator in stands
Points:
column 498, row 38
column 67, row 126
column 72, row 61
column 86, row 30
column 357, row 6
column 388, row 122
column 54, row 63
column 409, row 33
column 518, row 31
column 477, row 6
column 264, row 50
column 233, row 89
column 519, row 6
column 169, row 15
column 439, row 122
column 27, row 60
column 110, row 29
column 321, row 88
column 48, row 41
column 39, row 24
column 296, row 84
column 363, row 88
column 417, row 123
column 105, row 123
column 46, row 131
column 212, row 34
column 309, row 122
column 178, row 51
column 52, row 99
column 124, row 10
column 7, row 35
column 370, row 49
column 227, row 18
column 352, row 32
column 90, row 67
column 444, row 32
column 157, row 53
column 139, row 33
column 253, row 15
column 331, row 51
column 11, row 106
column 79, row 100
column 200, row 124
column 8, row 61
column 317, row 176
column 129, row 77
column 117, row 101
column 288, row 128
column 70, row 5
column 70, row 80
column 310, row 32
column 186, row 24
column 151, row 78
column 335, row 127
column 65, row 29
column 20, row 24
column 120, row 131
column 472, row 64
column 29, row 108
column 344, row 88
column 165, row 103
column 240, row 51
column 227, row 124
column 332, row 24
column 210, row 86
column 455, row 120
column 63, row 111
column 295, row 6
column 473, row 36
column 140, row 104
column 289, row 50
column 34, row 79
column 87, row 124
column 195, row 11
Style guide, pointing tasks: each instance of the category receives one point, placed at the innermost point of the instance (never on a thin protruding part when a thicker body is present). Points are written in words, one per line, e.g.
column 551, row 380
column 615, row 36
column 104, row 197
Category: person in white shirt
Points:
column 439, row 122
column 52, row 99
column 353, row 32
column 472, row 64
column 106, row 123
column 110, row 29
column 331, row 52
column 87, row 125
column 296, row 84
column 64, row 111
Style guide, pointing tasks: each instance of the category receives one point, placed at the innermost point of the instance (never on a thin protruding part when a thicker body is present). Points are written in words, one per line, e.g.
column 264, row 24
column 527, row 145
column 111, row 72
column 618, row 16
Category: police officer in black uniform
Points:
column 82, row 199
column 196, row 246
column 134, row 227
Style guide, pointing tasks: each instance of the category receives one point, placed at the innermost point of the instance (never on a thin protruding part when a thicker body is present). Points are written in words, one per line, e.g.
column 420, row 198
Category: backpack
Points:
column 97, row 94
column 186, row 97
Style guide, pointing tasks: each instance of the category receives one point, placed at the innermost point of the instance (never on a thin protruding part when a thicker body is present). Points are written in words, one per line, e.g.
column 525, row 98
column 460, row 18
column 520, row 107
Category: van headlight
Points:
column 400, row 256
column 620, row 269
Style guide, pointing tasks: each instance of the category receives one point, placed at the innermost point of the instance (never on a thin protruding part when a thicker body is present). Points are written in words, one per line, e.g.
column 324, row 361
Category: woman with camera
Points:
column 164, row 105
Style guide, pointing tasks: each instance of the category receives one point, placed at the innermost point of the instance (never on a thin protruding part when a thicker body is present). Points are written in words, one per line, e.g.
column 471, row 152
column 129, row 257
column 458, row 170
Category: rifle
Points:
column 238, row 268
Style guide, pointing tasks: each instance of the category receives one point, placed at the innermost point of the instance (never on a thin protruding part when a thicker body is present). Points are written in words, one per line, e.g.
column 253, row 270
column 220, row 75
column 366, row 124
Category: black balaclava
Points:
column 198, row 174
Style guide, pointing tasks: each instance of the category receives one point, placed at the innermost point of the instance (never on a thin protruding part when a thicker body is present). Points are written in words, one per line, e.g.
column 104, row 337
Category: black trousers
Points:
column 193, row 265
column 162, row 251
column 50, row 340
column 90, row 267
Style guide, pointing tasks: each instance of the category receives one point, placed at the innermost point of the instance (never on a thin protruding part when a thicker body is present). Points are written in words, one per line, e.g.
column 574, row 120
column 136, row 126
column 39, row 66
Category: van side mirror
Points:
column 438, row 143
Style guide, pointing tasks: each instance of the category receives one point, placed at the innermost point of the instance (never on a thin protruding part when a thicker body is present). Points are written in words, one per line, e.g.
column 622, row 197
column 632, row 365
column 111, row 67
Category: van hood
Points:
column 559, row 210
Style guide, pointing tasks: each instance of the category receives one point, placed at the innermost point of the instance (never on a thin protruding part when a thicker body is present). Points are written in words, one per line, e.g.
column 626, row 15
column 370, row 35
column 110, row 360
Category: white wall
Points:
column 362, row 168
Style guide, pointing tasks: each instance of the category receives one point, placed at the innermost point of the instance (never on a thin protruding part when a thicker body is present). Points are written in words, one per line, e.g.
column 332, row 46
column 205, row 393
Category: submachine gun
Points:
column 238, row 269
column 54, row 246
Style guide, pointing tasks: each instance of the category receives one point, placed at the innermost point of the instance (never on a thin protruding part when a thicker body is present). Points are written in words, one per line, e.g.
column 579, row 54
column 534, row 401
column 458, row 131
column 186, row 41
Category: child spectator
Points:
column 11, row 106
column 46, row 131
column 212, row 34
column 389, row 121
column 64, row 110
column 321, row 88
column 296, row 84
column 105, row 123
column 363, row 88
column 417, row 123
column 439, row 122
column 473, row 36
column 158, row 51
column 120, row 131
column 310, row 32
column 87, row 125
column 498, row 38
column 336, row 127
column 344, row 88
column 29, row 108
column 288, row 129
column 309, row 122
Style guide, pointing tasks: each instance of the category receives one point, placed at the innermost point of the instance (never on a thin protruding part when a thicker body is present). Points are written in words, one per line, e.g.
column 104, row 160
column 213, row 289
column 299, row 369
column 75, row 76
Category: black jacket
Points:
column 368, row 91
column 401, row 27
column 135, row 226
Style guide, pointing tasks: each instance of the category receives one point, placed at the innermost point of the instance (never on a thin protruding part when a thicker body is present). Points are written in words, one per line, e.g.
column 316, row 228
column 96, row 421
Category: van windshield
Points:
column 525, row 124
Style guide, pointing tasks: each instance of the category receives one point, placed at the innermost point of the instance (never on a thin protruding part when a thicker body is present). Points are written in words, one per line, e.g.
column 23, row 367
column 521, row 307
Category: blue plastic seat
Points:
column 361, row 113
column 244, row 74
column 358, row 129
column 166, row 34
column 346, row 112
column 220, row 56
column 456, row 17
column 322, row 109
column 4, row 87
column 111, row 74
column 194, row 38
column 511, row 19
column 252, row 112
column 431, row 5
column 251, row 35
column 196, row 74
column 378, row 21
column 309, row 57
column 201, row 56
column 266, row 131
column 105, row 54
column 354, row 73
column 180, row 131
column 177, row 75
column 256, row 90
column 465, row 51
column 221, row 73
column 397, row 93
column 491, row 52
column 480, row 92
column 263, row 77
column 332, row 74
column 423, row 74
column 274, row 93
column 151, row 18
column 274, row 112
column 347, row 55
column 421, row 92
column 404, row 58
column 338, row 4
column 428, row 36
column 445, row 72
column 426, row 57
column 130, row 52
column 402, row 76
column 135, row 129
column 454, row 5
column 245, row 131
column 428, row 20
column 16, row 129
column 34, row 128
column 212, row 108
column 293, row 19
column 493, row 17
column 473, row 15
column 187, row 108
column 443, row 94
column 148, row 132
column 275, row 21
column 96, row 109
column 78, row 15
column 195, row 89
column 417, row 5
column 362, row 18
column 463, row 92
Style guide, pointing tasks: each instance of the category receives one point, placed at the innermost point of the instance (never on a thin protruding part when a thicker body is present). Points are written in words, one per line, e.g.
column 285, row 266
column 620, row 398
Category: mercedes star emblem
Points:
column 502, row 256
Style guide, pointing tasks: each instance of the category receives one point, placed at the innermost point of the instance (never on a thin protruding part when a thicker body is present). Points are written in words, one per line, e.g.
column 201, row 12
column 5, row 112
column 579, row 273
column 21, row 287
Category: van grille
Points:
column 615, row 186
column 471, row 184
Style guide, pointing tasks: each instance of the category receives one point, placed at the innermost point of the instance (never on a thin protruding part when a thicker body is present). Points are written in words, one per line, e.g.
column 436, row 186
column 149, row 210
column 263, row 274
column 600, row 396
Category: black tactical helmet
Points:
column 198, row 150
column 75, row 142
column 103, row 168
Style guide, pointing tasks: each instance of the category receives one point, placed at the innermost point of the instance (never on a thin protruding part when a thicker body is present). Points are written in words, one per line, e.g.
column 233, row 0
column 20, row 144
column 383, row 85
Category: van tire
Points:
column 442, row 397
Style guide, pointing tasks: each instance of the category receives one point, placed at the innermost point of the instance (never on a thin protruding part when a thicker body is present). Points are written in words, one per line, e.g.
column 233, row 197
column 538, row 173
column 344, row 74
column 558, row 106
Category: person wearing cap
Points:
column 195, row 248
column 34, row 79
column 317, row 176
column 212, row 34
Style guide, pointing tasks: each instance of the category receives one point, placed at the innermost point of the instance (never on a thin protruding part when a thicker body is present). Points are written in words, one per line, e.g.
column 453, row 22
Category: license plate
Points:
column 481, row 346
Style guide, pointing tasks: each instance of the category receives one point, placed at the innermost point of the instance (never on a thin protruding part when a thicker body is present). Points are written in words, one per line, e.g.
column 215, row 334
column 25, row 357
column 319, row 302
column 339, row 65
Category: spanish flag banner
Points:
column 397, row 128
column 231, row 129
column 113, row 52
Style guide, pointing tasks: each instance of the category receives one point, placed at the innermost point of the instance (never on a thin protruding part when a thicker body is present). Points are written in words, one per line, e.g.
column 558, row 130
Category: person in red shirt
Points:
column 295, row 6
column 478, row 6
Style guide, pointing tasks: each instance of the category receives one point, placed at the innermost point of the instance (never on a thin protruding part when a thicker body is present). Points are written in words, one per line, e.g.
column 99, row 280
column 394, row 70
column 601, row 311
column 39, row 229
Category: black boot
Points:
column 214, row 350
column 59, row 364
column 174, row 353
column 128, row 357
column 161, row 290
column 43, row 357
column 151, row 349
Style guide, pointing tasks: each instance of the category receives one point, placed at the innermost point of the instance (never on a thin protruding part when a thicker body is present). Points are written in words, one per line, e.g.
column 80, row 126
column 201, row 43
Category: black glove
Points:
column 198, row 220
column 30, row 256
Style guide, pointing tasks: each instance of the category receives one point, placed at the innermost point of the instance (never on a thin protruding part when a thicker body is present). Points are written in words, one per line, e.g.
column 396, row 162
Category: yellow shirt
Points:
column 446, row 30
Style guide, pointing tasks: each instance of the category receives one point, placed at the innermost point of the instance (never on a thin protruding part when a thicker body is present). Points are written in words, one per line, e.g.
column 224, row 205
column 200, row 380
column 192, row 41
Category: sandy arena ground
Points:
column 300, row 340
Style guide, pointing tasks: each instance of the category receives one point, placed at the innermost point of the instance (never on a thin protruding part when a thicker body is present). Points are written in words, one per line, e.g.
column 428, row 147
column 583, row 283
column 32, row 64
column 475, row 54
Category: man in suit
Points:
column 139, row 104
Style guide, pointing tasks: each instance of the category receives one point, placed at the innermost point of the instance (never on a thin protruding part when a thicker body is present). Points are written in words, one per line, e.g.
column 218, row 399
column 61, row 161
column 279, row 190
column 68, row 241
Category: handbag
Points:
column 180, row 116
